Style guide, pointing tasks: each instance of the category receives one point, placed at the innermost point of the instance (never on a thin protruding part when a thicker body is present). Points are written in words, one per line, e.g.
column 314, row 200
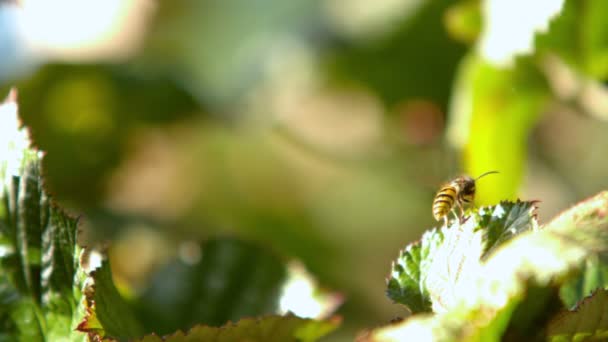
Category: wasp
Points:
column 457, row 193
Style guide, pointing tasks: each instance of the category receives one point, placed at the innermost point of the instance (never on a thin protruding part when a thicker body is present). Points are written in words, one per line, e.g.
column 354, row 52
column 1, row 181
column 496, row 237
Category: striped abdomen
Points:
column 444, row 200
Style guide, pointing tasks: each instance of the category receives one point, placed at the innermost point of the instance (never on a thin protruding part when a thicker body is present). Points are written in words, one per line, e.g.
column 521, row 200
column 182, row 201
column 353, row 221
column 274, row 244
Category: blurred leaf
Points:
column 483, row 311
column 107, row 314
column 587, row 321
column 573, row 29
column 463, row 20
column 24, row 321
column 406, row 284
column 537, row 306
column 234, row 279
column 593, row 275
column 10, row 320
column 579, row 35
column 492, row 114
column 270, row 328
column 427, row 273
column 82, row 115
column 4, row 89
column 219, row 49
column 251, row 188
column 405, row 64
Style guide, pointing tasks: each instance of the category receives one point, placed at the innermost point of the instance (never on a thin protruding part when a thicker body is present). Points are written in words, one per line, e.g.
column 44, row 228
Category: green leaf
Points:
column 463, row 20
column 487, row 102
column 374, row 62
column 534, row 309
column 108, row 314
column 406, row 284
column 587, row 321
column 458, row 261
column 234, row 279
column 9, row 300
column 203, row 44
column 483, row 309
column 29, row 228
column 503, row 221
column 60, row 248
column 265, row 329
column 60, row 284
column 26, row 319
column 427, row 273
column 72, row 110
column 579, row 35
column 39, row 292
column 593, row 275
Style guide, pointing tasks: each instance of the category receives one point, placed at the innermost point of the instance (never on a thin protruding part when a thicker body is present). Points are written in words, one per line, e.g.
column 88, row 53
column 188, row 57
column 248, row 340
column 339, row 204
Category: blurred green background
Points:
column 318, row 129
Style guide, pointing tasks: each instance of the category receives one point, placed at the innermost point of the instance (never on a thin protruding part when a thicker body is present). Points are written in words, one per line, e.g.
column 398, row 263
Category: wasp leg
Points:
column 453, row 211
column 461, row 218
column 445, row 221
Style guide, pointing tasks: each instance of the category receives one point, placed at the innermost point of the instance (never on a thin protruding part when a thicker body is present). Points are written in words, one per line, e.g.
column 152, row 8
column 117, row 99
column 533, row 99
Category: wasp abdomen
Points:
column 444, row 201
column 460, row 192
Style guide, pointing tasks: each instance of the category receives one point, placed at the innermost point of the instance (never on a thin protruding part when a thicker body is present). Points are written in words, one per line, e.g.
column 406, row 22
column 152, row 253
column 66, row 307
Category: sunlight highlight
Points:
column 13, row 140
column 413, row 329
column 302, row 297
column 81, row 29
column 512, row 25
column 91, row 259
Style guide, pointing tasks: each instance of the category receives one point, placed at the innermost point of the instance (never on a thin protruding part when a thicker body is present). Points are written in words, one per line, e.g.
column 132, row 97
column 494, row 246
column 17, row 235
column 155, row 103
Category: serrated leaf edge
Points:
column 335, row 320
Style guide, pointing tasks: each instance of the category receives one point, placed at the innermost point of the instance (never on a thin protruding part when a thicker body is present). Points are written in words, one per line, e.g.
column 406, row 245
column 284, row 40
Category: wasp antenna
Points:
column 487, row 173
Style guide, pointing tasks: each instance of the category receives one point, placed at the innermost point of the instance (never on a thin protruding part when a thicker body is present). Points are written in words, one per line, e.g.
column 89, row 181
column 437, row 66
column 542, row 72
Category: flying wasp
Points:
column 457, row 193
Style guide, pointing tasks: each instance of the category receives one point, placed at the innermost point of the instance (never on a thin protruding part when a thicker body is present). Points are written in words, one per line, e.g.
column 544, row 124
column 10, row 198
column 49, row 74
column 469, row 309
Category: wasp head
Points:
column 467, row 189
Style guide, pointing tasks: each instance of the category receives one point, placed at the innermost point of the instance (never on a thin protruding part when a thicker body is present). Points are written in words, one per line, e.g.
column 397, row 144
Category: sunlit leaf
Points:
column 265, row 329
column 60, row 283
column 514, row 276
column 501, row 42
column 428, row 273
column 406, row 284
column 503, row 221
column 38, row 284
column 29, row 227
column 459, row 260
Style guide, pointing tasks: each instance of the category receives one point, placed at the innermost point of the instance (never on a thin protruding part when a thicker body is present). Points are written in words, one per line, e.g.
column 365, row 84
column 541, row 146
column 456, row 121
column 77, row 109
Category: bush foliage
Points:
column 161, row 180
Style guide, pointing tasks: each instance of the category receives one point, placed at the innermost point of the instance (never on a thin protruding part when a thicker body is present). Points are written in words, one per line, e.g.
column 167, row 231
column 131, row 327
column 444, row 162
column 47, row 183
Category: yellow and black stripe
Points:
column 444, row 201
column 459, row 192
